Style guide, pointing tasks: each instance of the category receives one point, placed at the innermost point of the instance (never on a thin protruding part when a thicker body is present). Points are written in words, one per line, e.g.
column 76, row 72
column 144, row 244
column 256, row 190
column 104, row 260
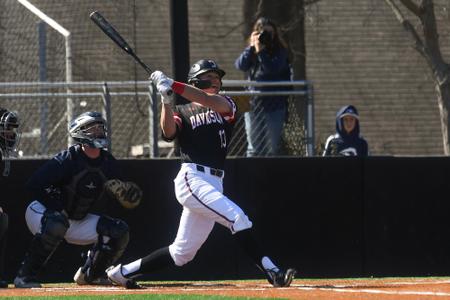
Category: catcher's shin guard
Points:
column 3, row 235
column 54, row 228
column 35, row 258
column 82, row 277
column 112, row 242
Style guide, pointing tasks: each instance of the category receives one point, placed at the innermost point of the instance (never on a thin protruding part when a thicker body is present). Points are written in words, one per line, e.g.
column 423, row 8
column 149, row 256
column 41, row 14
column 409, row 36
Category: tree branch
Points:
column 419, row 46
column 431, row 38
column 309, row 2
column 412, row 7
column 429, row 46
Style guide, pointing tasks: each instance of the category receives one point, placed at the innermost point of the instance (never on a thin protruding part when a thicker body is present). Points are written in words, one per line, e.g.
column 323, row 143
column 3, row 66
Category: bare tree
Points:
column 289, row 16
column 428, row 46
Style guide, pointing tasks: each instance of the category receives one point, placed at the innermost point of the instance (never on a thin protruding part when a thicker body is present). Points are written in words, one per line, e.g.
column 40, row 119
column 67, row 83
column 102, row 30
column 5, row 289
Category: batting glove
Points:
column 166, row 94
column 163, row 85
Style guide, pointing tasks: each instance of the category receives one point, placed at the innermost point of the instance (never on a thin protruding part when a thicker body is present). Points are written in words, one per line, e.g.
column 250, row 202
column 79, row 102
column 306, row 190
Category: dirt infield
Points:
column 385, row 288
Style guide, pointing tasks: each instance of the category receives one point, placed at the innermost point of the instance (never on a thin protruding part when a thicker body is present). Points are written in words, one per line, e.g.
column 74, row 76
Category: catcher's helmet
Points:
column 203, row 66
column 89, row 128
column 9, row 131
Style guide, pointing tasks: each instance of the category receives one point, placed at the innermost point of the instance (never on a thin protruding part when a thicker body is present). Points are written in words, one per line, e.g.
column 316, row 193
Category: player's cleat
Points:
column 81, row 278
column 3, row 284
column 116, row 276
column 26, row 282
column 280, row 278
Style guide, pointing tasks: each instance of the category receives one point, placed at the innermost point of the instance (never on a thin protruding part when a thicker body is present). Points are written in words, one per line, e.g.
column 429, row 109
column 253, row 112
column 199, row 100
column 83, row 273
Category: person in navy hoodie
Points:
column 347, row 141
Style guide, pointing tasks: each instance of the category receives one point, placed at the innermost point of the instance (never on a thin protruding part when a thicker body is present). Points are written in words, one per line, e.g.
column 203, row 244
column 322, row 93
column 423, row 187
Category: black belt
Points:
column 212, row 171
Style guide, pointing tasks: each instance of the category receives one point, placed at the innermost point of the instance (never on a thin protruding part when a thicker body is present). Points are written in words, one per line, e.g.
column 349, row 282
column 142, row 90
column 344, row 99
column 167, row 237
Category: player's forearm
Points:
column 167, row 122
column 193, row 94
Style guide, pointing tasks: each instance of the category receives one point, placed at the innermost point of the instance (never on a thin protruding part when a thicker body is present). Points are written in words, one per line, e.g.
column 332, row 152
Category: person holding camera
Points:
column 265, row 59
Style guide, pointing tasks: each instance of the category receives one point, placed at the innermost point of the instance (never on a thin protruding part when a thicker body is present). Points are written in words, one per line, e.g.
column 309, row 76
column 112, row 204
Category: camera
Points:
column 265, row 38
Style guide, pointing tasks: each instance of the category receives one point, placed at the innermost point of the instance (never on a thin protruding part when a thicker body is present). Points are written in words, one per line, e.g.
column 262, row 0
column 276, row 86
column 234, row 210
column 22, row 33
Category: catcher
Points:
column 70, row 195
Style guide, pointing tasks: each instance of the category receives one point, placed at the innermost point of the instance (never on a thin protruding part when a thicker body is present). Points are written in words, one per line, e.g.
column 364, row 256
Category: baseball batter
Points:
column 69, row 204
column 9, row 139
column 203, row 128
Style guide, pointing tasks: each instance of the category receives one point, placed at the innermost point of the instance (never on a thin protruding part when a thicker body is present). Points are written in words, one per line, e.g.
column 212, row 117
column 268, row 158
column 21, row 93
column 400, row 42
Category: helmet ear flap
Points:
column 200, row 84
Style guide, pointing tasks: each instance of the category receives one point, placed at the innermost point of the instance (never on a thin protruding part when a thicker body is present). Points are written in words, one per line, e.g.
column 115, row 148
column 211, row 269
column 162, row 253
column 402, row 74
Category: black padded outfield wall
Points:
column 407, row 216
column 328, row 217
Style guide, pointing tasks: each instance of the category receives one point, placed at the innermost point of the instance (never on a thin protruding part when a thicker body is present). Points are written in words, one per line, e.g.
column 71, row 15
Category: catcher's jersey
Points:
column 73, row 182
column 204, row 134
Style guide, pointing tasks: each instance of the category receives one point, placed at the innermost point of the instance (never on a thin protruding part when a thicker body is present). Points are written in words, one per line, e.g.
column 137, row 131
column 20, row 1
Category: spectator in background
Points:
column 265, row 59
column 347, row 140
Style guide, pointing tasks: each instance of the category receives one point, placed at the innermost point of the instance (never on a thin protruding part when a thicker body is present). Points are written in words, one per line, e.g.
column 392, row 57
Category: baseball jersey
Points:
column 204, row 134
column 73, row 182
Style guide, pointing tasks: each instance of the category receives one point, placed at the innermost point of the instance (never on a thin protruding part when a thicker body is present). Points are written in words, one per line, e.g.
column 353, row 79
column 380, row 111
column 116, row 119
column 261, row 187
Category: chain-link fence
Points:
column 297, row 134
column 132, row 111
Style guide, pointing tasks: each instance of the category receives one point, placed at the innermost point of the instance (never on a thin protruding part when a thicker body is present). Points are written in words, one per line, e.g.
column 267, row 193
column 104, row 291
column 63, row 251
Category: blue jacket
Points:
column 266, row 67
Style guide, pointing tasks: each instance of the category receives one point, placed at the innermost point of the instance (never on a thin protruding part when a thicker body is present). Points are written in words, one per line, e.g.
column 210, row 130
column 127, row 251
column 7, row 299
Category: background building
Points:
column 356, row 53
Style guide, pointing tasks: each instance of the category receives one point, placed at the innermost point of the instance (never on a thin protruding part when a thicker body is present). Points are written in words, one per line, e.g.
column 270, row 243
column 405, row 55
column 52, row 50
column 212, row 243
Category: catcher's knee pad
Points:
column 3, row 224
column 241, row 222
column 117, row 231
column 54, row 228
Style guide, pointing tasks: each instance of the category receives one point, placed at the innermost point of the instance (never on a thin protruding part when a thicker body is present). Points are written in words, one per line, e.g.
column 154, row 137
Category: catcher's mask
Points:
column 89, row 128
column 9, row 132
column 200, row 67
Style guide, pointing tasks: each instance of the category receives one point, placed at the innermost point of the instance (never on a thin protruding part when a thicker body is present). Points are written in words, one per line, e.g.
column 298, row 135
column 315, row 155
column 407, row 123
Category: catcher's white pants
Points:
column 80, row 232
column 204, row 204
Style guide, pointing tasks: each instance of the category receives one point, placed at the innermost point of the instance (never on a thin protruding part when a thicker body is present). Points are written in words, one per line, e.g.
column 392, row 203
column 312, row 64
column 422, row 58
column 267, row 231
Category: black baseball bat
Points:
column 110, row 31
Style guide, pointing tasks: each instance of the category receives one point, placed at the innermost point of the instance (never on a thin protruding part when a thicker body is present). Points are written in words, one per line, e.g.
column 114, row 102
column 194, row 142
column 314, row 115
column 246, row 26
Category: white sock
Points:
column 131, row 267
column 268, row 264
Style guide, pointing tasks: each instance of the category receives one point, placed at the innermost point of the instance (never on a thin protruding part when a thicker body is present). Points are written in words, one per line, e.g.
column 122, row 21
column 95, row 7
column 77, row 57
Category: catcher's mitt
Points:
column 129, row 194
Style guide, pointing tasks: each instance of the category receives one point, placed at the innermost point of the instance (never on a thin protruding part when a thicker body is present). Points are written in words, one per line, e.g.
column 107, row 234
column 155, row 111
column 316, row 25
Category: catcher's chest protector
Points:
column 83, row 191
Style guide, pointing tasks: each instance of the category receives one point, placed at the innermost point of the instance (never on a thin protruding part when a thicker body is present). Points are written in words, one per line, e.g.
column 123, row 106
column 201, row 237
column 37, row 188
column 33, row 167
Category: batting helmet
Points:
column 89, row 128
column 203, row 66
column 9, row 130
